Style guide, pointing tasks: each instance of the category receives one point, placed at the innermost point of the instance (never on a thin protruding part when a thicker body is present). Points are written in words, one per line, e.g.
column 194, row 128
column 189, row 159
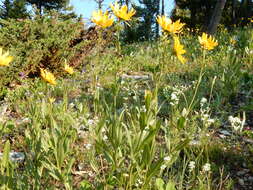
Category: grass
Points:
column 105, row 129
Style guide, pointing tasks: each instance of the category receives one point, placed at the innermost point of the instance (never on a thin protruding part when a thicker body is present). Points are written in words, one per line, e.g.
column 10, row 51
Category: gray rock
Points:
column 242, row 172
column 250, row 179
column 241, row 182
column 225, row 132
column 18, row 157
column 81, row 166
column 135, row 77
column 247, row 140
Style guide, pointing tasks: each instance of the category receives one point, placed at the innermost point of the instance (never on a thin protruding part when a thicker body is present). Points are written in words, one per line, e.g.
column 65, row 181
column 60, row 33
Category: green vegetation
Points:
column 131, row 116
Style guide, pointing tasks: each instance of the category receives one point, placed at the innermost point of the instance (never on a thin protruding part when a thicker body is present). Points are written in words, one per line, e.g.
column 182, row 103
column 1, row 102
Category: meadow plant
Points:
column 113, row 132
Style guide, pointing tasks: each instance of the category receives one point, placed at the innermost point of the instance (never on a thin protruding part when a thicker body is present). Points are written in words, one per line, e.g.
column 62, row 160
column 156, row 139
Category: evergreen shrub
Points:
column 41, row 42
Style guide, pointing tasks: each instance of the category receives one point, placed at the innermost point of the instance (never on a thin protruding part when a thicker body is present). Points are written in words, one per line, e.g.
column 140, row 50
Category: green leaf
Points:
column 155, row 167
column 181, row 122
column 6, row 153
column 69, row 166
column 170, row 186
column 159, row 184
column 85, row 185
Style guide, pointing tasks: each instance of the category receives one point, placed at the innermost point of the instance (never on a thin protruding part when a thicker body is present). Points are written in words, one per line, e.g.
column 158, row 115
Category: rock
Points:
column 241, row 182
column 247, row 140
column 222, row 136
column 18, row 157
column 225, row 132
column 23, row 121
column 250, row 179
column 81, row 166
column 242, row 172
column 135, row 77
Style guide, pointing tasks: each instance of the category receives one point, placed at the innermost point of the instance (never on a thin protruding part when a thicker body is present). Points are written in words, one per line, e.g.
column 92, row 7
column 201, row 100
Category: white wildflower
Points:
column 88, row 146
column 191, row 166
column 105, row 138
column 167, row 158
column 236, row 123
column 194, row 143
column 203, row 101
column 206, row 167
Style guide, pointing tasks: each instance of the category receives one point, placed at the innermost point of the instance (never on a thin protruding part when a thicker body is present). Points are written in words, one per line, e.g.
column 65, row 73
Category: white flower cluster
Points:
column 166, row 159
column 177, row 91
column 191, row 166
column 204, row 113
column 236, row 123
column 139, row 183
column 206, row 167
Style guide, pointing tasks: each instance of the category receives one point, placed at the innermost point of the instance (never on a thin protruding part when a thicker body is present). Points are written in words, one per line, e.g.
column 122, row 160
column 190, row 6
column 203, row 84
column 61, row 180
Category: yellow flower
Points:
column 232, row 41
column 5, row 59
column 176, row 27
column 179, row 50
column 206, row 42
column 122, row 12
column 102, row 20
column 164, row 22
column 47, row 76
column 51, row 100
column 168, row 25
column 68, row 69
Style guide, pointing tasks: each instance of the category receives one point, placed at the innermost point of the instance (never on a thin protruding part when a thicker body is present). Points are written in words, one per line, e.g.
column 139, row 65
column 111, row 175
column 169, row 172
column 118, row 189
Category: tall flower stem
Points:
column 118, row 30
column 201, row 74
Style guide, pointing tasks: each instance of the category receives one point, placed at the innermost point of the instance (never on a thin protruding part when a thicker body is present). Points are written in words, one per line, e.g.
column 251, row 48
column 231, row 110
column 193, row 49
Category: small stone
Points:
column 250, row 179
column 225, row 132
column 222, row 136
column 241, row 182
column 136, row 77
column 81, row 166
column 240, row 173
column 18, row 157
column 247, row 140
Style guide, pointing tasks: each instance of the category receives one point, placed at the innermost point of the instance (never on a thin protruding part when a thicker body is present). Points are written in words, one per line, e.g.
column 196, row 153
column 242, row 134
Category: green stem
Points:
column 199, row 81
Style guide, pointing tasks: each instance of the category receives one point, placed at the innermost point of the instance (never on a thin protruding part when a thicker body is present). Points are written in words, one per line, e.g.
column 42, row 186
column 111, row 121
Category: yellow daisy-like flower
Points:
column 179, row 50
column 47, row 76
column 206, row 42
column 176, row 27
column 232, row 41
column 51, row 100
column 164, row 22
column 168, row 25
column 68, row 69
column 5, row 59
column 102, row 20
column 122, row 12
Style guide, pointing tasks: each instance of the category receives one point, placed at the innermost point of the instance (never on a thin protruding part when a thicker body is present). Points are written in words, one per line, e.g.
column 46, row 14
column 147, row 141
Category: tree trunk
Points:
column 127, row 3
column 40, row 8
column 193, row 16
column 216, row 16
column 234, row 12
column 99, row 2
column 157, row 13
column 162, row 8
